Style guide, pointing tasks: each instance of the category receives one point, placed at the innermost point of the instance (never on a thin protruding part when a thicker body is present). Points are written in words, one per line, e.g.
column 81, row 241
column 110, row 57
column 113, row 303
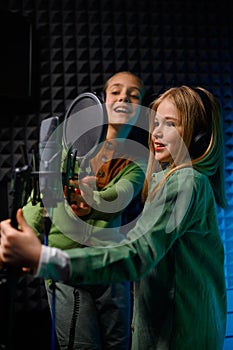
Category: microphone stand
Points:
column 20, row 187
column 49, row 171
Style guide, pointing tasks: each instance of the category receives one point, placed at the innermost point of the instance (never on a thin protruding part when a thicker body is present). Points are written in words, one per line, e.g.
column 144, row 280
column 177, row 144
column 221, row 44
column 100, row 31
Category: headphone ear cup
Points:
column 199, row 145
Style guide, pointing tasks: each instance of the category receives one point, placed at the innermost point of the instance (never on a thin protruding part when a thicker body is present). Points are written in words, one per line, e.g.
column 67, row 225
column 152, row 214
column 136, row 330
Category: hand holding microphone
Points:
column 81, row 195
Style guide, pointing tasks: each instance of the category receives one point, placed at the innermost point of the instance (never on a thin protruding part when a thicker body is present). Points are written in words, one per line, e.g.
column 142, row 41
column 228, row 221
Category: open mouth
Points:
column 159, row 146
column 122, row 109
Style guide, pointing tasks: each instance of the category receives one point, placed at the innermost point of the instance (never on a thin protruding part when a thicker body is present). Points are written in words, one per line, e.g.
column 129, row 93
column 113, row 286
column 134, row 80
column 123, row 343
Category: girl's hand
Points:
column 81, row 195
column 19, row 248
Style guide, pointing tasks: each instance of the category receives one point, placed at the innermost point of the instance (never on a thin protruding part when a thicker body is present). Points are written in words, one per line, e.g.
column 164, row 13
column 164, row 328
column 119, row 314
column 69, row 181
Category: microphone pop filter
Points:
column 85, row 124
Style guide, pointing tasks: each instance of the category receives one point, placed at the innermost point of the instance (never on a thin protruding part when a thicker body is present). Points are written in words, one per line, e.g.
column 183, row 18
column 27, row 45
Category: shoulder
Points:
column 184, row 180
column 189, row 175
column 190, row 180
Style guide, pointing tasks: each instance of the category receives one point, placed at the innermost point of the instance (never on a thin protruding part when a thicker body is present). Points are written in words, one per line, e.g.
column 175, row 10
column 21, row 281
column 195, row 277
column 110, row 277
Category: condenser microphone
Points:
column 50, row 152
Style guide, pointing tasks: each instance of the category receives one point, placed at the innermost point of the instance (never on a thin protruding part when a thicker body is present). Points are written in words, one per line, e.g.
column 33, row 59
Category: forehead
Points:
column 124, row 80
column 167, row 108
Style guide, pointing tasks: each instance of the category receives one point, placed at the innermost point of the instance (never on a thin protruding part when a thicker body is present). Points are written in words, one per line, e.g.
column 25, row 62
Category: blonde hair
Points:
column 196, row 113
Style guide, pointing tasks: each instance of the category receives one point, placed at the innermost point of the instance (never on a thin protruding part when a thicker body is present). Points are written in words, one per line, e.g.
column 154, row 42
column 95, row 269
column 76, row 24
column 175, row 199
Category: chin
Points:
column 121, row 122
column 161, row 160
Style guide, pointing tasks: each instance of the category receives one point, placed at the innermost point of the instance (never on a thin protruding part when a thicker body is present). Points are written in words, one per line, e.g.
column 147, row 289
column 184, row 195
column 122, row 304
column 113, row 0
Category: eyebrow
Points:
column 167, row 116
column 131, row 87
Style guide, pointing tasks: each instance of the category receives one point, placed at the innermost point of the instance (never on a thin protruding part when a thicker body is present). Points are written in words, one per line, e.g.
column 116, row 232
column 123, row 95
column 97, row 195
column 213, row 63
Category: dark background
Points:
column 73, row 46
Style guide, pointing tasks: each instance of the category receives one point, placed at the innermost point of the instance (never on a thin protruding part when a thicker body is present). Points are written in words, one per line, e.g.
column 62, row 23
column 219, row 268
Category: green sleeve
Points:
column 116, row 196
column 178, row 207
column 34, row 216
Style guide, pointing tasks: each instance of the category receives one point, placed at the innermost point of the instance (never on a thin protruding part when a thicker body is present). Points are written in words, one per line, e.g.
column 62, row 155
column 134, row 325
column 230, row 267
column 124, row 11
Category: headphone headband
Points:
column 206, row 102
column 201, row 138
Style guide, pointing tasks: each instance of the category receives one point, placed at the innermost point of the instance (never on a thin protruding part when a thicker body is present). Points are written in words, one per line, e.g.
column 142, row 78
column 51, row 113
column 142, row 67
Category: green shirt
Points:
column 176, row 258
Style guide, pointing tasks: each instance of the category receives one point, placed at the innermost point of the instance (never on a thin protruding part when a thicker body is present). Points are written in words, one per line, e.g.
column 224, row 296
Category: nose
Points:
column 157, row 132
column 124, row 97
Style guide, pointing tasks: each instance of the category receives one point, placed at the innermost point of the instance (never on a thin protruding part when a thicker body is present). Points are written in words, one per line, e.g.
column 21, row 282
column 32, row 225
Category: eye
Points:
column 135, row 96
column 170, row 123
column 156, row 123
column 115, row 92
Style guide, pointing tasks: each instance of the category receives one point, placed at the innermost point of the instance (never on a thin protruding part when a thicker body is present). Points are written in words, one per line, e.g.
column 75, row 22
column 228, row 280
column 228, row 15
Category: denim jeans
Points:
column 93, row 317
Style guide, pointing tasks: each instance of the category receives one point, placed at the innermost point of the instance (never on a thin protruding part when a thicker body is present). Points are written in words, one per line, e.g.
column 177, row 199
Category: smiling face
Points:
column 123, row 97
column 166, row 136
